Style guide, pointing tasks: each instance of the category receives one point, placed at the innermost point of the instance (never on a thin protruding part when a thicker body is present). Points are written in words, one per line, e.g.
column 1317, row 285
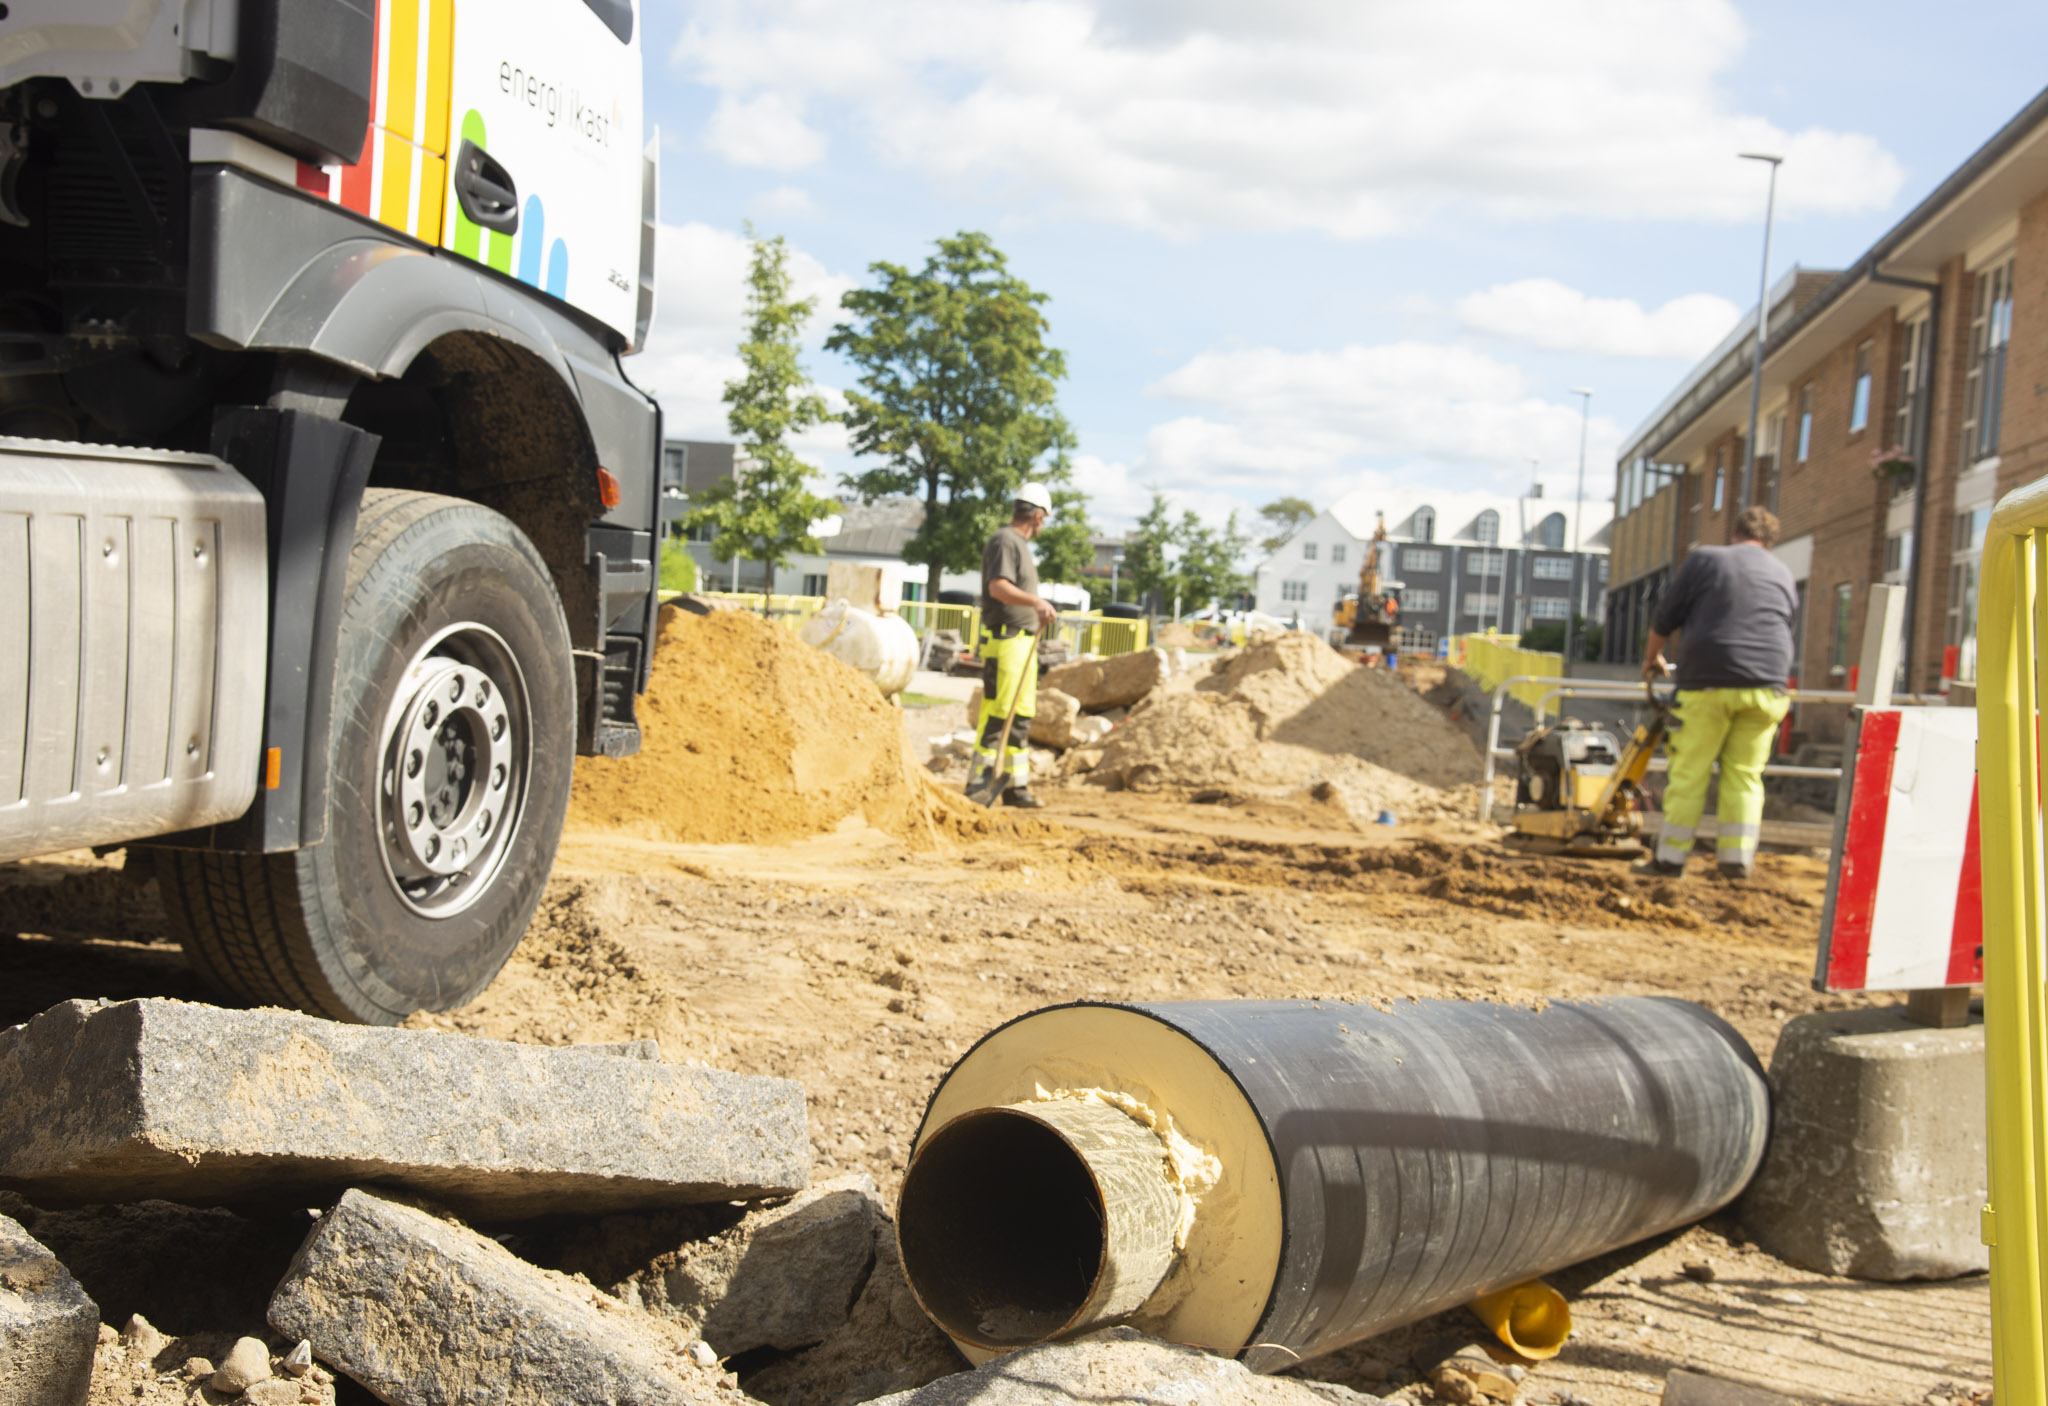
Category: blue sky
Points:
column 1310, row 245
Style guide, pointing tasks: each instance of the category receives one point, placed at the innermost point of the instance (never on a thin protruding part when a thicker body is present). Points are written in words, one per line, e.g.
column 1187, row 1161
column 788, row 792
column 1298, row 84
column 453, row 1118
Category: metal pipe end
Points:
column 1032, row 1221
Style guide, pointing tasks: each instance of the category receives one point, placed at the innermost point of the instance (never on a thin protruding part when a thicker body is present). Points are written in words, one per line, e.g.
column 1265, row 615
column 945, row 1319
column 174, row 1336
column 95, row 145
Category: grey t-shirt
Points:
column 1008, row 557
column 1735, row 605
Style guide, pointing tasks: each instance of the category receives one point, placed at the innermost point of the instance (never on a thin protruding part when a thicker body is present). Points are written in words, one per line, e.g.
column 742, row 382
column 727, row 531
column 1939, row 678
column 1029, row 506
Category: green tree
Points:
column 1211, row 562
column 765, row 510
column 1150, row 551
column 956, row 393
column 1285, row 516
column 1065, row 546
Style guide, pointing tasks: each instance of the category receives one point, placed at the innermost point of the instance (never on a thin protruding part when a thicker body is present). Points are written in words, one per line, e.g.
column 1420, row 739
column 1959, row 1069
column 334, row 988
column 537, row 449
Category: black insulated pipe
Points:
column 1282, row 1178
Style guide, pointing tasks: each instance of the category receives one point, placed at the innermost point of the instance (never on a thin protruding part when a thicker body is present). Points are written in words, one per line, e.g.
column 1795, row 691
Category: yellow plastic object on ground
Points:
column 1532, row 1319
column 2012, row 622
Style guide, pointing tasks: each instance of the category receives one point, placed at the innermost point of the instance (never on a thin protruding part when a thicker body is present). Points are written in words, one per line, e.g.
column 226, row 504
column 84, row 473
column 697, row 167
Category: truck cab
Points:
column 327, row 505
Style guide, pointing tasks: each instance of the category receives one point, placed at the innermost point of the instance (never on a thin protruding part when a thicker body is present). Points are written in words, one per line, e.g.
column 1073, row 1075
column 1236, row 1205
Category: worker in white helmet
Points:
column 1012, row 613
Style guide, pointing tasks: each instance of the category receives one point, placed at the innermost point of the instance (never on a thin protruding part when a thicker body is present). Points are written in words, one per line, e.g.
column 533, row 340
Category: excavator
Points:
column 1367, row 615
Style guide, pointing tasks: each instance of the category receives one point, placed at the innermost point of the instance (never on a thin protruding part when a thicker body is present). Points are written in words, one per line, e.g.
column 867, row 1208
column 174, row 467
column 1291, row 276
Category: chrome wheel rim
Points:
column 453, row 769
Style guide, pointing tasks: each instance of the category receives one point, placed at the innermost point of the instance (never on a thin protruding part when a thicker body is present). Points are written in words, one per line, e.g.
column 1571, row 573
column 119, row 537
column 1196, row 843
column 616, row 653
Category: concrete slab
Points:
column 48, row 1326
column 191, row 1103
column 1685, row 1388
column 426, row 1312
column 1124, row 1365
column 1875, row 1167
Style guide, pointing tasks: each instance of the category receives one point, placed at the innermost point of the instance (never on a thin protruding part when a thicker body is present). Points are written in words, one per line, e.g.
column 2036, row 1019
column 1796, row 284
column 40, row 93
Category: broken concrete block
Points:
column 1117, row 681
column 48, row 1327
column 784, row 1277
column 886, row 1345
column 114, row 1102
column 1053, row 724
column 426, row 1312
column 1119, row 1364
column 1875, row 1167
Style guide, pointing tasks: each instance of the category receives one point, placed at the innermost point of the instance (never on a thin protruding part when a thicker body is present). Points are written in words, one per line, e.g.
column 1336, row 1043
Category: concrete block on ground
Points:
column 1121, row 1364
column 784, row 1277
column 1117, row 681
column 1053, row 724
column 426, row 1312
column 1684, row 1388
column 153, row 1098
column 49, row 1328
column 886, row 1345
column 1875, row 1167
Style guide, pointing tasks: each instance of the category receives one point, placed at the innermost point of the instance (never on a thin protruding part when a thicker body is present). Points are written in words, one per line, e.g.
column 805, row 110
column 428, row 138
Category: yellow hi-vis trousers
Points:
column 1733, row 726
column 1004, row 677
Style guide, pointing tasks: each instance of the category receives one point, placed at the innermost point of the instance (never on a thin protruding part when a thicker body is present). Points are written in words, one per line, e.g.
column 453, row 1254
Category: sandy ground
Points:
column 863, row 968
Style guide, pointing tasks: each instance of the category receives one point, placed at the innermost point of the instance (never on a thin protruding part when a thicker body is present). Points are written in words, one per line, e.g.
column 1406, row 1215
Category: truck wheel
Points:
column 450, row 755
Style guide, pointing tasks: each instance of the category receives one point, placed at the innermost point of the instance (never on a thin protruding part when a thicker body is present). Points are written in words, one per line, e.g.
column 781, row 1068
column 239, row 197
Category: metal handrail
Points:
column 1598, row 688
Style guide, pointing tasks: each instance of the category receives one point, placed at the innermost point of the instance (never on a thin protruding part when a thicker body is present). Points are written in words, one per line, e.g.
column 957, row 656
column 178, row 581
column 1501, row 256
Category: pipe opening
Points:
column 1001, row 1228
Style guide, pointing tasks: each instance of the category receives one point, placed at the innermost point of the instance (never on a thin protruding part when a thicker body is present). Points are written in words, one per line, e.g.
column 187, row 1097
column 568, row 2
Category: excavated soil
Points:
column 891, row 925
column 1290, row 714
column 748, row 736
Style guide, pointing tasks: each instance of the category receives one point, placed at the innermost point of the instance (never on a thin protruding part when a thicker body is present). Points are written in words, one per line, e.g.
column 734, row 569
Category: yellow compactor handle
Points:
column 1531, row 1319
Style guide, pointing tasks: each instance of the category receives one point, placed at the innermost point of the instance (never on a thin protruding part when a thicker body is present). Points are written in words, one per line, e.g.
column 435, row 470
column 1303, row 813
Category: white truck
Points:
column 327, row 509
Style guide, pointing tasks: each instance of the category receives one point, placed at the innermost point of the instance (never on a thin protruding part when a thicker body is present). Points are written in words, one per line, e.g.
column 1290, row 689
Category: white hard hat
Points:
column 1034, row 493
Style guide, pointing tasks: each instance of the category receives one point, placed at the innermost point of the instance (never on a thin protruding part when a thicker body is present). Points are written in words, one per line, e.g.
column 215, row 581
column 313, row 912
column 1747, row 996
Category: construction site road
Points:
column 863, row 966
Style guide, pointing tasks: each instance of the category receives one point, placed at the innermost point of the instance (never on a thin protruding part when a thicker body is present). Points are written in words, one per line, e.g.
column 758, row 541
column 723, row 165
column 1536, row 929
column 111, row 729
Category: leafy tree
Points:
column 956, row 393
column 765, row 510
column 678, row 569
column 1065, row 546
column 1285, row 516
column 1211, row 562
column 1150, row 551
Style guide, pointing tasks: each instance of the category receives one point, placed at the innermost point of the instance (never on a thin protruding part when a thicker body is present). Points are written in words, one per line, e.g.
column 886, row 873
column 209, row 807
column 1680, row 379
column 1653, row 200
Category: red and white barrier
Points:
column 1904, row 905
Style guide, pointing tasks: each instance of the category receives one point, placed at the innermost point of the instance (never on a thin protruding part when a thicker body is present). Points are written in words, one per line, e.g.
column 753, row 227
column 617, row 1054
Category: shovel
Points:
column 991, row 790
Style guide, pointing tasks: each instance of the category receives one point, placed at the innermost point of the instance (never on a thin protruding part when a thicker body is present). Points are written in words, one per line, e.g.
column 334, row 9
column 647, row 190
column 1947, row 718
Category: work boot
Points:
column 1020, row 797
column 1732, row 873
column 1657, row 869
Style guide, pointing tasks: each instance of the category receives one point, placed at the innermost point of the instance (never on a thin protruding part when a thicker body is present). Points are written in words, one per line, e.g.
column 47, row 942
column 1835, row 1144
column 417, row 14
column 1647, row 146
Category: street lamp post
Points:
column 1571, row 609
column 1763, row 327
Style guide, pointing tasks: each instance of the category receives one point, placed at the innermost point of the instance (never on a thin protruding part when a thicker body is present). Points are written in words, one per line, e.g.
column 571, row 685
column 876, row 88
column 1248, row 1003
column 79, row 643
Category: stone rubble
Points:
column 49, row 1327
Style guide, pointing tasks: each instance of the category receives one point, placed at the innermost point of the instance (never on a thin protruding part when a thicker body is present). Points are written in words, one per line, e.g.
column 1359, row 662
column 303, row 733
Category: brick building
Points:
column 1901, row 397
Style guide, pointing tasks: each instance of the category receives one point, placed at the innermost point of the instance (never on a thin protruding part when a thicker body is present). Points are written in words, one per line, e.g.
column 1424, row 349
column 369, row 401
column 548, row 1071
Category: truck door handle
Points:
column 485, row 190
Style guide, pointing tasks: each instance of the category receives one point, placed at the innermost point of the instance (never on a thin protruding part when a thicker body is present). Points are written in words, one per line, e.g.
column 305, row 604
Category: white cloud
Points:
column 764, row 129
column 1350, row 119
column 1547, row 314
column 783, row 203
column 700, row 312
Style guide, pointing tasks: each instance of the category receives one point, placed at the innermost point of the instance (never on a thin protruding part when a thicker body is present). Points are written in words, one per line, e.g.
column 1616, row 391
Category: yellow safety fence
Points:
column 1492, row 658
column 1087, row 631
column 2012, row 623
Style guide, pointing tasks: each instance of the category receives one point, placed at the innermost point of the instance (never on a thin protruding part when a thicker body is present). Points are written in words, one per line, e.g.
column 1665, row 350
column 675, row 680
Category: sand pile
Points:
column 750, row 735
column 1289, row 713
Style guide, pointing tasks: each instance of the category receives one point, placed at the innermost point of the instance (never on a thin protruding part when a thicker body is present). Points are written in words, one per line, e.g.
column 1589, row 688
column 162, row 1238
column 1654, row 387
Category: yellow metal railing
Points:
column 964, row 618
column 1491, row 658
column 2012, row 674
column 1089, row 633
column 1099, row 634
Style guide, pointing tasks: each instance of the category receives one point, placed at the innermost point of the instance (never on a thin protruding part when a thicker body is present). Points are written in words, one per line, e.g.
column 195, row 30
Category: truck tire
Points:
column 450, row 756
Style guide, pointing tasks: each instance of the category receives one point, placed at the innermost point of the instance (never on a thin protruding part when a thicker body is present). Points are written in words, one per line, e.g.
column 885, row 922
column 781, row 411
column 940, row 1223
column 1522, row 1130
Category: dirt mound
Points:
column 1290, row 713
column 749, row 735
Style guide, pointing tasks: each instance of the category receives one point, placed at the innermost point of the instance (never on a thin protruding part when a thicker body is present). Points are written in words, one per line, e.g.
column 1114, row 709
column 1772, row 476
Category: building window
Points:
column 1337, row 555
column 1984, row 387
column 1487, row 529
column 1308, row 551
column 1485, row 563
column 1838, row 633
column 1549, row 608
column 1898, row 550
column 1551, row 532
column 814, row 584
column 1294, row 590
column 1720, row 478
column 1552, row 569
column 675, row 456
column 1906, row 419
column 1481, row 606
column 1859, row 395
column 1966, row 544
column 701, row 532
column 1603, row 571
column 1425, row 524
column 913, row 591
column 1772, row 449
column 1805, row 424
column 1425, row 559
column 1421, row 602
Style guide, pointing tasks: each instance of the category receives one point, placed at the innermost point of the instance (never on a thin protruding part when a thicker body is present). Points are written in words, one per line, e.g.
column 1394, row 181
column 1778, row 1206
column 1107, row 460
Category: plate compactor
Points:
column 1578, row 792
